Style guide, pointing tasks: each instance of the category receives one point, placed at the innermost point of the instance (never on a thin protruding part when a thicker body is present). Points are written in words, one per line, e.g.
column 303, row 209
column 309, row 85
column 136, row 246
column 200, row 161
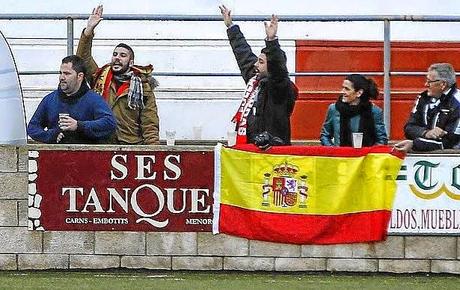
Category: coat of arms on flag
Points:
column 285, row 187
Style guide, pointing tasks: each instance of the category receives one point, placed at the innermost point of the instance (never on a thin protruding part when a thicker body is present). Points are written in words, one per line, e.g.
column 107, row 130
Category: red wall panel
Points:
column 317, row 92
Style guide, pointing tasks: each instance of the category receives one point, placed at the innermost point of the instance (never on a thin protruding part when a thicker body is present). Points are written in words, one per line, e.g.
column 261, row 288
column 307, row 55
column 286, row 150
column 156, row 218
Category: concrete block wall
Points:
column 21, row 249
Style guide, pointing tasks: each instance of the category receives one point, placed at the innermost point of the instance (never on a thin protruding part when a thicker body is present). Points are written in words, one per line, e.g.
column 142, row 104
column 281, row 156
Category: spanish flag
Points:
column 305, row 195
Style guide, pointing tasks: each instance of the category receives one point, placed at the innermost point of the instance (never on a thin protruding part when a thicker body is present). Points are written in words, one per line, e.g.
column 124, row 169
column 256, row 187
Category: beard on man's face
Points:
column 118, row 68
column 63, row 86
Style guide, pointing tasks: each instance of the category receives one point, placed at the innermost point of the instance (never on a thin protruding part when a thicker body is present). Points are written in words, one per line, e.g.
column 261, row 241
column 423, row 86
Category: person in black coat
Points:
column 270, row 95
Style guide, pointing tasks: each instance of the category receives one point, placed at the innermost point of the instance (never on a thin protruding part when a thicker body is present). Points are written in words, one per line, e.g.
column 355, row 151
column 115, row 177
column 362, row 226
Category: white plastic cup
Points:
column 357, row 140
column 197, row 132
column 170, row 137
column 62, row 116
column 231, row 138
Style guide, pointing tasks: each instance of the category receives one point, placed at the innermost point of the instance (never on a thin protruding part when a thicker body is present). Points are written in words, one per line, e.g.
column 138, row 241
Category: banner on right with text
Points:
column 428, row 196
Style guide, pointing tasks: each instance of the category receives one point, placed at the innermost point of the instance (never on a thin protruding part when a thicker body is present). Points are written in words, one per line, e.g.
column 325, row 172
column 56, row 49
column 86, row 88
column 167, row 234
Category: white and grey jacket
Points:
column 429, row 112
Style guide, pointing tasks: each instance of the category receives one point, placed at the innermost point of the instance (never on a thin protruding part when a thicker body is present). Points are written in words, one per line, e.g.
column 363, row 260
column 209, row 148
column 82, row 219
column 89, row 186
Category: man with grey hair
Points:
column 434, row 122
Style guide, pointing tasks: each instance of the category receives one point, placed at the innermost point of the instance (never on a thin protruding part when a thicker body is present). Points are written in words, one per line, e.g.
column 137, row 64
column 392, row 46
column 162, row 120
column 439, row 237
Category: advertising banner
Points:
column 428, row 196
column 172, row 191
column 120, row 191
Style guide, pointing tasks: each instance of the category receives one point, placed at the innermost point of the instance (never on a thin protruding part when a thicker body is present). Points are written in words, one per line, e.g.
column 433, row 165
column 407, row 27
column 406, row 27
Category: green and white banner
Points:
column 428, row 196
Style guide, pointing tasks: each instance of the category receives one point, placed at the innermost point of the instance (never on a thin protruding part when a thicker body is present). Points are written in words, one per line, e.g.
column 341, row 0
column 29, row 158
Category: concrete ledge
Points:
column 9, row 160
column 142, row 262
column 404, row 266
column 29, row 250
column 20, row 240
column 196, row 263
column 171, row 244
column 8, row 262
column 13, row 185
column 352, row 265
column 300, row 264
column 392, row 247
column 326, row 251
column 249, row 264
column 259, row 248
column 94, row 262
column 443, row 266
column 120, row 243
column 22, row 213
column 23, row 158
column 188, row 145
column 222, row 245
column 9, row 213
column 68, row 242
column 431, row 247
column 42, row 261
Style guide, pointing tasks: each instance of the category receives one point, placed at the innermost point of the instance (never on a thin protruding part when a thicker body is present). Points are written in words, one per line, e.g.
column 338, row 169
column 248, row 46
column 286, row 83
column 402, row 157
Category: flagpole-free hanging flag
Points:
column 305, row 195
column 12, row 117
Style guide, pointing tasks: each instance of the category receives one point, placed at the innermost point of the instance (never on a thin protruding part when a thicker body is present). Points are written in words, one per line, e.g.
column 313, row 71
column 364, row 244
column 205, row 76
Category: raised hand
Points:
column 94, row 19
column 226, row 14
column 271, row 27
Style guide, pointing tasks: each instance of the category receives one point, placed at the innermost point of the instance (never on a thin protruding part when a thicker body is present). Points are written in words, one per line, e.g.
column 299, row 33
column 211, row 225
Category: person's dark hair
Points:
column 369, row 87
column 78, row 64
column 265, row 51
column 124, row 45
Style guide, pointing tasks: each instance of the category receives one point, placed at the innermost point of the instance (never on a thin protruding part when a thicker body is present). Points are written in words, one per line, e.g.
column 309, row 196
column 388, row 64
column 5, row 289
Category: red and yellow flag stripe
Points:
column 348, row 193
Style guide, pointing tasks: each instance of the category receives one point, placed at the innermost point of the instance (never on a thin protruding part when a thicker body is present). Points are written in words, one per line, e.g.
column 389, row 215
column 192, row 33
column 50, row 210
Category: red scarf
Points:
column 103, row 81
column 241, row 116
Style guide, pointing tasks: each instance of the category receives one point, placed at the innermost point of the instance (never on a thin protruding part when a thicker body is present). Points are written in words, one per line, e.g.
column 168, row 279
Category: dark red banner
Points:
column 122, row 191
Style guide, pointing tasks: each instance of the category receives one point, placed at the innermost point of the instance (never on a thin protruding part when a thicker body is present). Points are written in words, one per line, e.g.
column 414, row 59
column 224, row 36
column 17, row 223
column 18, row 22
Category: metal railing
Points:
column 386, row 19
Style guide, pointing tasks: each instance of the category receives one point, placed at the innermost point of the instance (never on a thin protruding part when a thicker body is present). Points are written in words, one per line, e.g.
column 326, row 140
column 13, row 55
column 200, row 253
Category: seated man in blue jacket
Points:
column 265, row 111
column 72, row 114
column 434, row 122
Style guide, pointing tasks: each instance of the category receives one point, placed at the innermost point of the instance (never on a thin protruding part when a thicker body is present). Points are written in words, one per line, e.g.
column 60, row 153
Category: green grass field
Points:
column 222, row 281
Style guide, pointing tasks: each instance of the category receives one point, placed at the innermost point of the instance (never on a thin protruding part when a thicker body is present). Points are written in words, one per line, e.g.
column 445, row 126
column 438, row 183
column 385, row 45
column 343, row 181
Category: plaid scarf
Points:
column 135, row 92
column 241, row 116
column 128, row 80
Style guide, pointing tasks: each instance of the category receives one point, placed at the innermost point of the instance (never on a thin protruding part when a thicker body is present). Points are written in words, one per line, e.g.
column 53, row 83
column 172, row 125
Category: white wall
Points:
column 185, row 102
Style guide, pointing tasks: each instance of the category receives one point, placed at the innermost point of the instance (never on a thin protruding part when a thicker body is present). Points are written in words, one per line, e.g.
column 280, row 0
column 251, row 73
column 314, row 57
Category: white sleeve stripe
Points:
column 457, row 128
column 457, row 95
column 414, row 109
column 431, row 141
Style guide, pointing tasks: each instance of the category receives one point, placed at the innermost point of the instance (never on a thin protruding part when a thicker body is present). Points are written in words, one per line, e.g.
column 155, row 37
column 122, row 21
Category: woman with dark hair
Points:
column 354, row 112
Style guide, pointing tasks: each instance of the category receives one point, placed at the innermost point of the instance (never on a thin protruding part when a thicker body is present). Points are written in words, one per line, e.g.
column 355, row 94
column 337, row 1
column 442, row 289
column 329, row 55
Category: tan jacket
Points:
column 133, row 126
